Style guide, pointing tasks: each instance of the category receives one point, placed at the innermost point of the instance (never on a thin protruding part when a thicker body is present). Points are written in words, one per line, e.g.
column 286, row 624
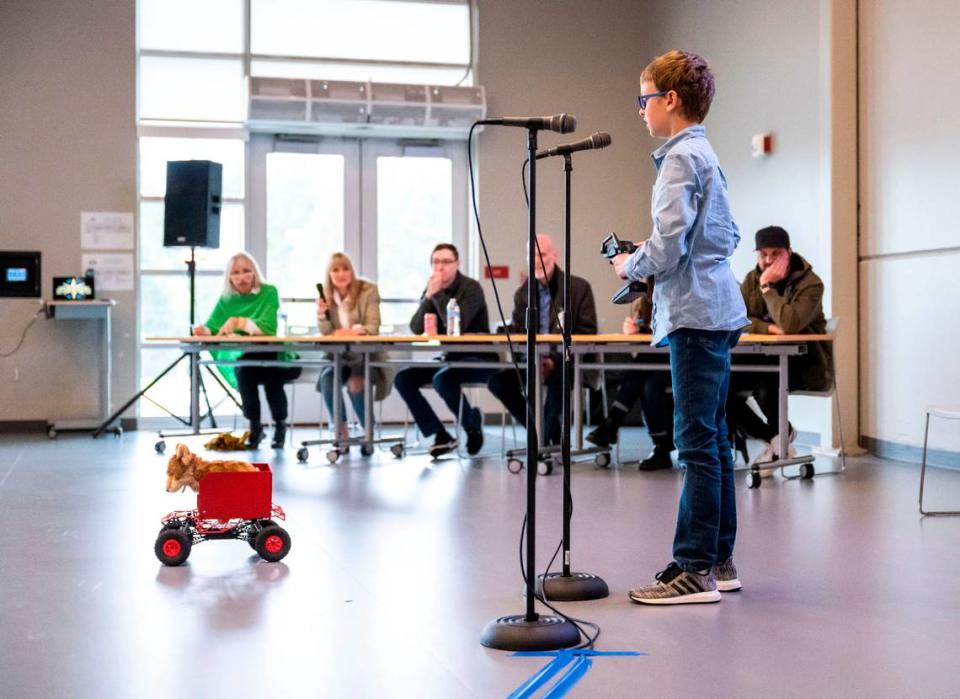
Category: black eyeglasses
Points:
column 642, row 99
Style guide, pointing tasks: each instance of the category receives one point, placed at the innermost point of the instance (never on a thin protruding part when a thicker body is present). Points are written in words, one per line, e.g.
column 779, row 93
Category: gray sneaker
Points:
column 726, row 574
column 676, row 586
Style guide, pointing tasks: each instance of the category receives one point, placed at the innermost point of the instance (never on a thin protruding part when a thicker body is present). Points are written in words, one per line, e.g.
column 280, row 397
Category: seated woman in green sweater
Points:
column 248, row 306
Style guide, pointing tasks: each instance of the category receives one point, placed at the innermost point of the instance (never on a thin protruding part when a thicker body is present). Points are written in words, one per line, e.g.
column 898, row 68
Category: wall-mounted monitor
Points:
column 19, row 274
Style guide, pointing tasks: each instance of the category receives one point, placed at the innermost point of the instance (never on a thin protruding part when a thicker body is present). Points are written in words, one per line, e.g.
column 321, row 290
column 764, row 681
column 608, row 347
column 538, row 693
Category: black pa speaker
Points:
column 191, row 215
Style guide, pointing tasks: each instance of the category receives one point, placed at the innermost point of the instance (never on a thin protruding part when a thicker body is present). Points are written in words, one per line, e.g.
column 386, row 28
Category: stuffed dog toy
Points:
column 185, row 469
column 228, row 442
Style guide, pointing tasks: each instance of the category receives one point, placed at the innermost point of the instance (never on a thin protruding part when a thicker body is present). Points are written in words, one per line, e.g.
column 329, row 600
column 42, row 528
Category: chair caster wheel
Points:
column 366, row 449
column 160, row 446
column 603, row 459
column 333, row 455
column 303, row 454
column 514, row 465
column 753, row 480
column 545, row 468
column 397, row 450
column 118, row 432
column 806, row 471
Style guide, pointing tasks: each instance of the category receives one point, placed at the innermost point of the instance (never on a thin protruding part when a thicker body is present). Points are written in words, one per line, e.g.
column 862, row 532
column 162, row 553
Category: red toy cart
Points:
column 229, row 506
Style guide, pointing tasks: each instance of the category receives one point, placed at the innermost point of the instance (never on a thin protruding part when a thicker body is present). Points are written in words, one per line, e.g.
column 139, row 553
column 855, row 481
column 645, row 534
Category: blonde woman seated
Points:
column 249, row 306
column 351, row 307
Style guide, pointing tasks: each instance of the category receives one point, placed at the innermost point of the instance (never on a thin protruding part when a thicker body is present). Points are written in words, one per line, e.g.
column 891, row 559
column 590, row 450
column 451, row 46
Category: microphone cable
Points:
column 589, row 640
column 23, row 335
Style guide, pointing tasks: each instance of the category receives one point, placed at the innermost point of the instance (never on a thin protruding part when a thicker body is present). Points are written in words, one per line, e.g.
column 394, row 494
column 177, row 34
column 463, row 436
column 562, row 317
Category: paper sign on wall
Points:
column 106, row 230
column 113, row 270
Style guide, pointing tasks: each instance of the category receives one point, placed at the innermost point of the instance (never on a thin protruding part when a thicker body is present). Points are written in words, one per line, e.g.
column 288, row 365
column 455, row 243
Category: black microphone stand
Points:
column 566, row 586
column 531, row 631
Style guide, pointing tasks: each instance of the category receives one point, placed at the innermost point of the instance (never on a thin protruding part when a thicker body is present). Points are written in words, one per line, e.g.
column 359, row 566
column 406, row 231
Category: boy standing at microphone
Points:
column 699, row 313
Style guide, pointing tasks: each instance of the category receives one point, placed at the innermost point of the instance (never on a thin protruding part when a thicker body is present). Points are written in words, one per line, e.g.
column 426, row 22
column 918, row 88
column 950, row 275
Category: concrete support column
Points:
column 839, row 208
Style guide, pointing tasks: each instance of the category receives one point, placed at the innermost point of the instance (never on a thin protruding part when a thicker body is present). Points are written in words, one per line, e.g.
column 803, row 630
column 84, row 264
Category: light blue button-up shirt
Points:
column 694, row 235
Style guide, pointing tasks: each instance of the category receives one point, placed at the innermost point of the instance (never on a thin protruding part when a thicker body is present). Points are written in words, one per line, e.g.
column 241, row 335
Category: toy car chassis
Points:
column 229, row 506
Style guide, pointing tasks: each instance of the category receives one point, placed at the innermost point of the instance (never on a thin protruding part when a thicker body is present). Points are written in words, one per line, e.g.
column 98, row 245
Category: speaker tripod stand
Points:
column 196, row 378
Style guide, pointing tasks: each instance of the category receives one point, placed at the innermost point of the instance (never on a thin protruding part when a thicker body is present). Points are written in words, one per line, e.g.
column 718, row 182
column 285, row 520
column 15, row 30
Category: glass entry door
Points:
column 304, row 206
column 385, row 203
column 417, row 198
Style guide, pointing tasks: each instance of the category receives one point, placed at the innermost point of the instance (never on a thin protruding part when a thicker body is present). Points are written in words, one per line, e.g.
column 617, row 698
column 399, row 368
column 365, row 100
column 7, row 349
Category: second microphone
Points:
column 601, row 139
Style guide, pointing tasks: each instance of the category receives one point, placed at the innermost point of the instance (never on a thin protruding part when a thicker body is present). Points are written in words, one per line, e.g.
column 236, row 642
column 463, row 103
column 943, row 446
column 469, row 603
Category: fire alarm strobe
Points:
column 761, row 145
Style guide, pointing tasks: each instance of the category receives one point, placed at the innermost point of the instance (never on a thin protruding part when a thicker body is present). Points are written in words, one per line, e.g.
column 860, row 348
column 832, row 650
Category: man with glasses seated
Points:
column 506, row 384
column 446, row 283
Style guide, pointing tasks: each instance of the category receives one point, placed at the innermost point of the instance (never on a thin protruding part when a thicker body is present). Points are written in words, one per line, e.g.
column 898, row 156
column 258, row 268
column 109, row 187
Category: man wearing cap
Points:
column 783, row 296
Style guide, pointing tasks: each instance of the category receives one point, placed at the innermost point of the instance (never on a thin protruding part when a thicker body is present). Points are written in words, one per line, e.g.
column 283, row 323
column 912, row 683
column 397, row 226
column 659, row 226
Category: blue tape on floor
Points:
column 580, row 663
column 579, row 651
column 579, row 668
column 545, row 674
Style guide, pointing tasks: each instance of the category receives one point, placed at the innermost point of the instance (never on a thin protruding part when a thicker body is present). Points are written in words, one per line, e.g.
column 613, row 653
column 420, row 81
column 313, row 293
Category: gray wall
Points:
column 765, row 58
column 910, row 315
column 67, row 144
column 764, row 55
column 542, row 57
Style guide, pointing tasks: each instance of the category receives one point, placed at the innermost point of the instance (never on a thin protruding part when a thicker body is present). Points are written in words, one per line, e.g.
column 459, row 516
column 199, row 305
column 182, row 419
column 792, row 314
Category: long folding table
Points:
column 587, row 351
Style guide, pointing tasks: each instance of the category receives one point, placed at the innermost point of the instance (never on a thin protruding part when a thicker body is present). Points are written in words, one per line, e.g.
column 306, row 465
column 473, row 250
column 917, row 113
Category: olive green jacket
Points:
column 795, row 305
column 365, row 312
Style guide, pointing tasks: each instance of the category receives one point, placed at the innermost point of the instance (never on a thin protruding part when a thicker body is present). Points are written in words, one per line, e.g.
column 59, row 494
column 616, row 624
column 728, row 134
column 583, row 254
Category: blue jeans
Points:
column 325, row 386
column 448, row 382
column 707, row 517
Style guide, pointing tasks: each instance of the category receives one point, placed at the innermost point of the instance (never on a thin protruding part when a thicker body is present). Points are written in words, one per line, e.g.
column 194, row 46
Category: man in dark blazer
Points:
column 505, row 384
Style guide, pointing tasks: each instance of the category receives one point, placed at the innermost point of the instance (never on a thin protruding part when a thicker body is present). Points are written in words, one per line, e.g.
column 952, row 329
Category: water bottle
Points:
column 281, row 324
column 453, row 317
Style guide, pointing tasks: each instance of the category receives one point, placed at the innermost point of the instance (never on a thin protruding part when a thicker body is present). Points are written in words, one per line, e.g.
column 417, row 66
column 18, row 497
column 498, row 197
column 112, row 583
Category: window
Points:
column 210, row 26
column 290, row 202
column 374, row 30
column 304, row 216
column 191, row 89
column 414, row 213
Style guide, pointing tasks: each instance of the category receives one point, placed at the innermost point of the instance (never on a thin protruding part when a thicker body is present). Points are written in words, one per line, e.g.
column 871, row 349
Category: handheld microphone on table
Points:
column 563, row 123
column 323, row 296
column 610, row 248
column 601, row 139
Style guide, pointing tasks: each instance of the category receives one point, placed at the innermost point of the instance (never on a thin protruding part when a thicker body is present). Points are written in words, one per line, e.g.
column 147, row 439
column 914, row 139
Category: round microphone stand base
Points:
column 546, row 632
column 575, row 587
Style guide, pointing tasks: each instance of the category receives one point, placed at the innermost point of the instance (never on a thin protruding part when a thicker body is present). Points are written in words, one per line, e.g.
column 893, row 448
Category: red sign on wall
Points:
column 496, row 272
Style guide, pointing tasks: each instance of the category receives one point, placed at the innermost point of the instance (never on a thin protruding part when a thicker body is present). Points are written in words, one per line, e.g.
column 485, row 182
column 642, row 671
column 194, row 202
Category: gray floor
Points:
column 397, row 565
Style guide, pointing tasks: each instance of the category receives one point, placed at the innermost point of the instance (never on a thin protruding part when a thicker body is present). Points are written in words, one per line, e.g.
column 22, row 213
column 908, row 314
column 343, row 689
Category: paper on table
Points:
column 113, row 270
column 106, row 230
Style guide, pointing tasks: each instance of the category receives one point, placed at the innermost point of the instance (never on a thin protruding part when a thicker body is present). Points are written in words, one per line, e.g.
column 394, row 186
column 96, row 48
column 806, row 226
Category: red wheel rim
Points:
column 273, row 544
column 171, row 548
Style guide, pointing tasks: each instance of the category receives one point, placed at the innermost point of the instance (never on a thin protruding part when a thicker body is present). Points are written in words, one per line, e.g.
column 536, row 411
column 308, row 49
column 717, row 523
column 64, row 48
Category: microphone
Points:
column 564, row 123
column 601, row 139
